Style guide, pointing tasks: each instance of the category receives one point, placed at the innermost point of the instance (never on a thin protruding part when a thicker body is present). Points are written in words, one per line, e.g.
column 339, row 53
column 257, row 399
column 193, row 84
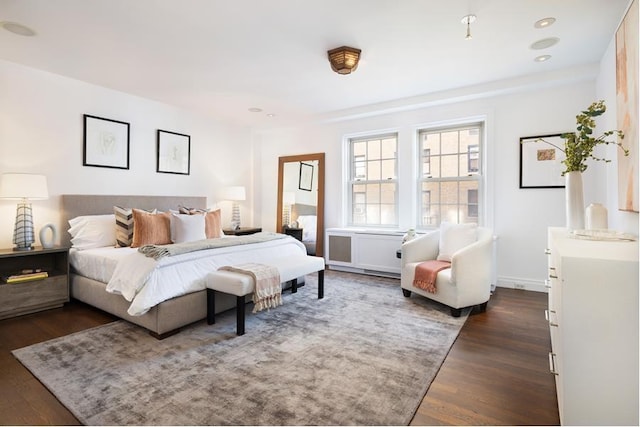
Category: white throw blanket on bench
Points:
column 267, row 292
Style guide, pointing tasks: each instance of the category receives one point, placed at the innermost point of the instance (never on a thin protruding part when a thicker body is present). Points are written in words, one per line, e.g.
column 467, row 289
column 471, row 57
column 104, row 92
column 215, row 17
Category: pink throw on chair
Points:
column 426, row 274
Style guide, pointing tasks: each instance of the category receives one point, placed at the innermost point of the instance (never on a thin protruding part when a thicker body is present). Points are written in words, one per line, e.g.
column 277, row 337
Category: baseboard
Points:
column 520, row 283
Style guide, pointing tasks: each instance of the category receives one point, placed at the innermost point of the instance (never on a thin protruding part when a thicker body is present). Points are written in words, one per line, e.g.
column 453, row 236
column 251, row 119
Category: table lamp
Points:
column 24, row 187
column 234, row 194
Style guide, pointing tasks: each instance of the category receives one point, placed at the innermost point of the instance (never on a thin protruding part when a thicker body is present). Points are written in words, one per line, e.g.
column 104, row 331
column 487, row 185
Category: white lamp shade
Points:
column 234, row 193
column 20, row 186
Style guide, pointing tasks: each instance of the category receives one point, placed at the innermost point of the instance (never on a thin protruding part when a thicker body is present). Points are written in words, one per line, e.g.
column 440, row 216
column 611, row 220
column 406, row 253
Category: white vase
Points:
column 574, row 200
column 596, row 217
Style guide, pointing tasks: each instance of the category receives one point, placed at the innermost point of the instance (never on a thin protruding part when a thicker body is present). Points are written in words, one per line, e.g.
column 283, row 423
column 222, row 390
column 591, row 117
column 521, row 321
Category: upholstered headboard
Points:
column 74, row 205
column 301, row 209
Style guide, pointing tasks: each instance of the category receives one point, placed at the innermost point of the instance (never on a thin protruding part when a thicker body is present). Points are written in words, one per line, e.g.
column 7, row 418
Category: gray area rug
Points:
column 363, row 355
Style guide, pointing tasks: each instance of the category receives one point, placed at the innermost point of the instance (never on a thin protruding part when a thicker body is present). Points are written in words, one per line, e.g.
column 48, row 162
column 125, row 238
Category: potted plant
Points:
column 578, row 148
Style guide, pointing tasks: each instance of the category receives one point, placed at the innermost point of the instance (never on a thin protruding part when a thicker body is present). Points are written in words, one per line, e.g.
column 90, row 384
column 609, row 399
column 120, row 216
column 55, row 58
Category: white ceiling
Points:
column 222, row 57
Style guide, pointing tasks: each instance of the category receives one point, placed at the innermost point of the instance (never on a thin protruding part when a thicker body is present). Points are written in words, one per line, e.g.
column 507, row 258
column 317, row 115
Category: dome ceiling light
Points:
column 344, row 60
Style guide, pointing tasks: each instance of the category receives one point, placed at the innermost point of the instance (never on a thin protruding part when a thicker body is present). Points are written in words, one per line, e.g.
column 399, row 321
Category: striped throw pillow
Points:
column 124, row 226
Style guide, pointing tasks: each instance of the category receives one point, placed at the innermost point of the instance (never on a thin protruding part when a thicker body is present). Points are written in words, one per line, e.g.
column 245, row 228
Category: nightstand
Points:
column 296, row 233
column 242, row 231
column 27, row 297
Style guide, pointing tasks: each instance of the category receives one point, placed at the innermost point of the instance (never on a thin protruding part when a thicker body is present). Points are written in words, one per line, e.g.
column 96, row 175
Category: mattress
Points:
column 146, row 282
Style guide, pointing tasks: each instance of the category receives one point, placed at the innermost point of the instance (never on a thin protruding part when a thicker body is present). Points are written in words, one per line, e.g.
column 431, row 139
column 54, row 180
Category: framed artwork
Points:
column 174, row 153
column 627, row 108
column 106, row 143
column 541, row 162
column 306, row 176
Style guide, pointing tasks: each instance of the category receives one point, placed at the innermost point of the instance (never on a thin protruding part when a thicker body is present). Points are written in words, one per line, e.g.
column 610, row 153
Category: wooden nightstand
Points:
column 17, row 299
column 242, row 231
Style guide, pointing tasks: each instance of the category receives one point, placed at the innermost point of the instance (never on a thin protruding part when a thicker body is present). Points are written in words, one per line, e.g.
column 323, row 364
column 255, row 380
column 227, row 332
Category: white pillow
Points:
column 308, row 223
column 93, row 231
column 454, row 237
column 187, row 228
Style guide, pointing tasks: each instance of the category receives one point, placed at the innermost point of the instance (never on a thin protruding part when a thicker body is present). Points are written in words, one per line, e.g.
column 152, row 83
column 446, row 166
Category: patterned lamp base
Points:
column 235, row 216
column 23, row 235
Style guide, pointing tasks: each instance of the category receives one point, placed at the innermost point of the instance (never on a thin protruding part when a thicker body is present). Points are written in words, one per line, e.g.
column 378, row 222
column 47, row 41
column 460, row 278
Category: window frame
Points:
column 477, row 175
column 352, row 179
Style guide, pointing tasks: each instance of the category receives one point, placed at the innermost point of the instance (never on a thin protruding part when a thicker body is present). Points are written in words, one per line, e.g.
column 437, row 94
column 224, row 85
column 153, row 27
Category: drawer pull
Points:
column 547, row 251
column 552, row 364
column 547, row 316
column 552, row 276
column 547, row 283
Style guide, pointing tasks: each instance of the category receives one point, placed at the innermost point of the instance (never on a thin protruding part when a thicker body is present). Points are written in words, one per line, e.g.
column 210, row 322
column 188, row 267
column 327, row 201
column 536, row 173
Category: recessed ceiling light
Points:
column 542, row 58
column 545, row 43
column 270, row 115
column 545, row 22
column 18, row 29
column 255, row 109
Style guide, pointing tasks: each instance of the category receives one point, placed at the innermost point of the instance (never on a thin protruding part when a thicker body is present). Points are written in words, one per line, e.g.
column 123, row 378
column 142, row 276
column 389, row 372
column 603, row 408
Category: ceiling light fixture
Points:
column 468, row 19
column 542, row 58
column 18, row 29
column 344, row 60
column 255, row 109
column 545, row 22
column 545, row 43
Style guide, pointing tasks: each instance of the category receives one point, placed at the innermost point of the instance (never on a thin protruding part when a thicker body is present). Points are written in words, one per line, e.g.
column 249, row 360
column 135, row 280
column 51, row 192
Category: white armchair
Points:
column 466, row 283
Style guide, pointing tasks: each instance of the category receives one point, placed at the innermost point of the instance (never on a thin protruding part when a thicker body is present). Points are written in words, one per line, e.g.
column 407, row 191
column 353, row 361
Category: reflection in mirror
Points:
column 301, row 199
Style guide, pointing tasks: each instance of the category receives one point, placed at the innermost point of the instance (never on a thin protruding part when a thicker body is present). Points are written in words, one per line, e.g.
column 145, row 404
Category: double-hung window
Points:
column 450, row 174
column 373, row 183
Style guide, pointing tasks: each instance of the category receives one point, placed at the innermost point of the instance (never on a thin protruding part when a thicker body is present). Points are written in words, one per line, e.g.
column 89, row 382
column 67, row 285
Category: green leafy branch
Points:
column 579, row 146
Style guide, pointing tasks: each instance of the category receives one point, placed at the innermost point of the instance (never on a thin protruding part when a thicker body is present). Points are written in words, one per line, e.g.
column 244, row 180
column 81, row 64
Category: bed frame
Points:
column 166, row 318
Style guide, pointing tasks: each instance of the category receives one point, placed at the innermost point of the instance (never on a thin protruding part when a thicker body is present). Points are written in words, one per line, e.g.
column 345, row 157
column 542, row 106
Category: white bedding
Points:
column 146, row 282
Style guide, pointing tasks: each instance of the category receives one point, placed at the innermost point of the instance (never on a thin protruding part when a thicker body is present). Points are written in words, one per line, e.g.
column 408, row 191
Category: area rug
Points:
column 362, row 355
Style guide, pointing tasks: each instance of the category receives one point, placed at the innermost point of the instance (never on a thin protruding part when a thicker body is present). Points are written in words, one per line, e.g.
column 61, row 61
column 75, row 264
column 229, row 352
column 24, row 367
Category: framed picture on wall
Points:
column 306, row 177
column 105, row 143
column 541, row 161
column 174, row 153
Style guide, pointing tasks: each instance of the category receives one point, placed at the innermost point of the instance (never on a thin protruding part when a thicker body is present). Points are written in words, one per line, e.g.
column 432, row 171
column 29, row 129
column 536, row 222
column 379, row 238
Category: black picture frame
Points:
column 173, row 153
column 541, row 161
column 305, row 182
column 105, row 142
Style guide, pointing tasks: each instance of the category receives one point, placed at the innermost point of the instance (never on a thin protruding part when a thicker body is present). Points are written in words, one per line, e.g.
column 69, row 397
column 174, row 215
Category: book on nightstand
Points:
column 25, row 277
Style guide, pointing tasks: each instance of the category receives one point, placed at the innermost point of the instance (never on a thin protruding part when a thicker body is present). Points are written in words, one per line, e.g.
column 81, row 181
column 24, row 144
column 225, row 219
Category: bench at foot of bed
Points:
column 241, row 285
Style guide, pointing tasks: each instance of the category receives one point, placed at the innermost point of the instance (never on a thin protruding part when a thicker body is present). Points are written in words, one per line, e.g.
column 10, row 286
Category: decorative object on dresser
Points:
column 24, row 187
column 578, row 147
column 33, row 280
column 48, row 235
column 331, row 365
column 593, row 323
column 234, row 194
column 174, row 153
column 106, row 143
column 596, row 217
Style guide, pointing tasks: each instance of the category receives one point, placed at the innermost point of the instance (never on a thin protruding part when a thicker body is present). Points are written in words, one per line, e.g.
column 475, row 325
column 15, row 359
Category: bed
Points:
column 173, row 297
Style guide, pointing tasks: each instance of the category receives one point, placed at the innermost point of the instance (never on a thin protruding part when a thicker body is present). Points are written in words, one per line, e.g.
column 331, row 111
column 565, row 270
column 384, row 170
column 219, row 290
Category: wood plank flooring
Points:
column 495, row 374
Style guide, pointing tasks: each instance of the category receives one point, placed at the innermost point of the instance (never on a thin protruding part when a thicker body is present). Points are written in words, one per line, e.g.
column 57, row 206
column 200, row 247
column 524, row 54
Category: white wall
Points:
column 41, row 119
column 519, row 217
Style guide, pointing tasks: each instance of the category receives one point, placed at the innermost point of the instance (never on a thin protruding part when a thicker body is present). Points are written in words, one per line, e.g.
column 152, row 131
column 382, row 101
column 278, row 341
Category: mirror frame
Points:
column 320, row 202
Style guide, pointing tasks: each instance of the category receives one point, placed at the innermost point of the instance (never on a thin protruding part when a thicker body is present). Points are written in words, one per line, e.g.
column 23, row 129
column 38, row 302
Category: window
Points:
column 450, row 175
column 373, row 185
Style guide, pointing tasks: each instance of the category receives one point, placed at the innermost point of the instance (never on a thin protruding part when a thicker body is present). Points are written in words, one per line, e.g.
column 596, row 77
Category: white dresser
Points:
column 593, row 319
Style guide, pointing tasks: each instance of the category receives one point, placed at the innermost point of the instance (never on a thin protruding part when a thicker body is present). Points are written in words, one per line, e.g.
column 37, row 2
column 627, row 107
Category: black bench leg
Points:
column 294, row 286
column 211, row 306
column 320, row 284
column 240, row 305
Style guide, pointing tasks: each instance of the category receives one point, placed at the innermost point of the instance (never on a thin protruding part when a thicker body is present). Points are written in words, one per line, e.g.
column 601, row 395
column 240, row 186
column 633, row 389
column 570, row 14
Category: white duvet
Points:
column 146, row 282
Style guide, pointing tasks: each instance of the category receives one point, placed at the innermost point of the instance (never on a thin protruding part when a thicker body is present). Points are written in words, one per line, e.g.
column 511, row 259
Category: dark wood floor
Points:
column 495, row 374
